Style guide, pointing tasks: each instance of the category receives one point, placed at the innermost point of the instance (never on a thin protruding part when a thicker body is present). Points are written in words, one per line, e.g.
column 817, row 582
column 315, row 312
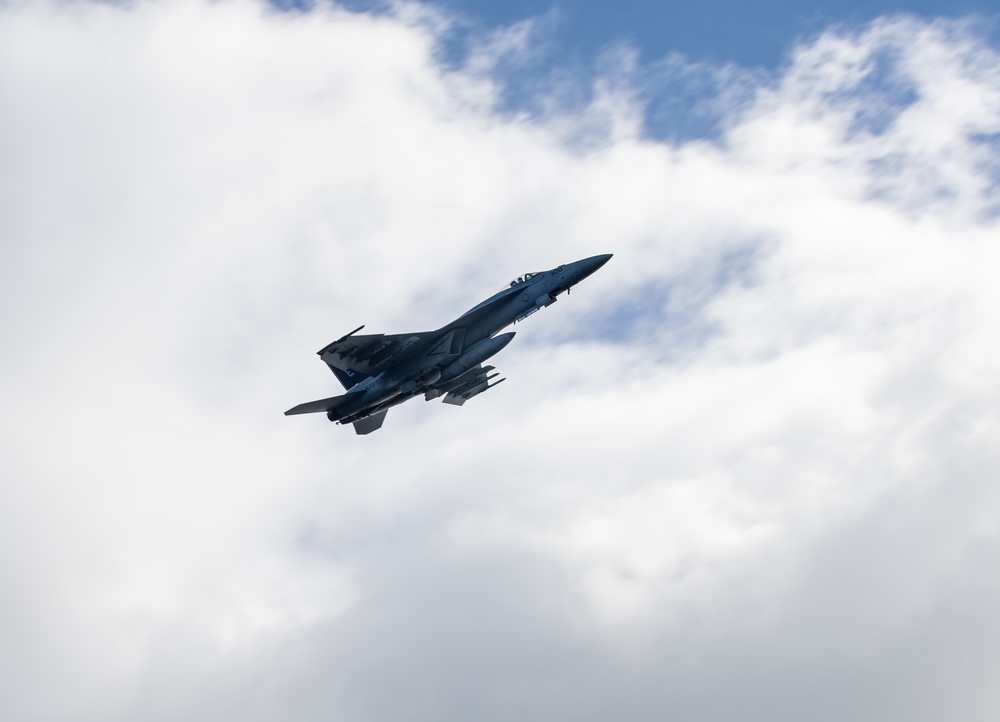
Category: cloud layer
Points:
column 747, row 470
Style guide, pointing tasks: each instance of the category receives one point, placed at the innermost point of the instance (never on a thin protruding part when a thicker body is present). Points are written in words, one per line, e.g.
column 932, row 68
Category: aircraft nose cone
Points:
column 600, row 260
column 589, row 265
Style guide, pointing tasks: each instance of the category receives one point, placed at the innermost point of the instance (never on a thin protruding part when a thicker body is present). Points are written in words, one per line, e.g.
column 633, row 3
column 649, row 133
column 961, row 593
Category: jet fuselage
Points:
column 390, row 370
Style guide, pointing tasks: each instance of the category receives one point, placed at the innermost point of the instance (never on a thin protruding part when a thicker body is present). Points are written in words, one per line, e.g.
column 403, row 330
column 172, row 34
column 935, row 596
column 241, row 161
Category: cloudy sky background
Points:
column 749, row 470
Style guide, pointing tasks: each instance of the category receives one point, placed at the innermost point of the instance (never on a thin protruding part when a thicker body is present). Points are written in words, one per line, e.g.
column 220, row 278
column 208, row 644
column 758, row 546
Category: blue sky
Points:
column 678, row 47
column 719, row 31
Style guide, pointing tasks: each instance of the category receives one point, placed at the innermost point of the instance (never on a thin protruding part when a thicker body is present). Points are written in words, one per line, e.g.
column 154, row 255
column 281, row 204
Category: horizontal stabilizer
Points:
column 314, row 407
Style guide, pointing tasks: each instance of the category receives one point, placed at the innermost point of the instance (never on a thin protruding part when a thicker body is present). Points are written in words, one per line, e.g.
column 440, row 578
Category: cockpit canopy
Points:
column 522, row 279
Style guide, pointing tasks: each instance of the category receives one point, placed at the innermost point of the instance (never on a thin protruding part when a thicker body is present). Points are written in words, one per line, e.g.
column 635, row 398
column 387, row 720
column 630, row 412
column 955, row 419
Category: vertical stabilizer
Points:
column 372, row 423
column 349, row 378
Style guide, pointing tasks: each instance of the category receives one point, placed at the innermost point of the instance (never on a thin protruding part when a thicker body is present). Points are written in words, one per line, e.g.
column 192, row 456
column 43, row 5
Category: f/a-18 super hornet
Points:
column 380, row 371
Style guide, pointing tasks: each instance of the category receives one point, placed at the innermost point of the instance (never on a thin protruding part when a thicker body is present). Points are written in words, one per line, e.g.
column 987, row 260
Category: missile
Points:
column 472, row 383
column 458, row 398
column 342, row 338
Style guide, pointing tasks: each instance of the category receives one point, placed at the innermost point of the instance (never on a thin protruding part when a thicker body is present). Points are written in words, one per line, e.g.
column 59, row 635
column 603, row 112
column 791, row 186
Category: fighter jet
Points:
column 380, row 371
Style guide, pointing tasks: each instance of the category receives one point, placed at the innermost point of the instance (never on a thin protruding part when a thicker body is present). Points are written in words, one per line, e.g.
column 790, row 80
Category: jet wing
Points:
column 369, row 352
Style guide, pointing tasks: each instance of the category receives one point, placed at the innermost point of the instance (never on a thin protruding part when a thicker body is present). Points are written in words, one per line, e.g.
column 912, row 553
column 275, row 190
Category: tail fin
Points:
column 349, row 378
column 371, row 423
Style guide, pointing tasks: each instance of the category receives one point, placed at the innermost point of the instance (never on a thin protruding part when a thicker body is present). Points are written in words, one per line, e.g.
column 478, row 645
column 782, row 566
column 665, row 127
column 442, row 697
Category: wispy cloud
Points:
column 772, row 488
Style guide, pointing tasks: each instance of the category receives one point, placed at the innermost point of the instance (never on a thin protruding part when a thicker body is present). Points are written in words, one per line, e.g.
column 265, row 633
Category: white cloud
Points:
column 772, row 494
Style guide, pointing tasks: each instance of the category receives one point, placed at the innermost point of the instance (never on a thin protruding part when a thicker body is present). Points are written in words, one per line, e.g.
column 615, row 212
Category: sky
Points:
column 722, row 31
column 748, row 470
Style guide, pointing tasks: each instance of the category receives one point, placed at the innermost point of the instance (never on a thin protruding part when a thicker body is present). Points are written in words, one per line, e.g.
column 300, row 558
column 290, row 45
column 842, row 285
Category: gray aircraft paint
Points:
column 381, row 371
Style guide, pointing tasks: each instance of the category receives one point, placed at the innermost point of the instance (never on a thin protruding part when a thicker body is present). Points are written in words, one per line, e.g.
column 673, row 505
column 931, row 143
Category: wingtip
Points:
column 342, row 338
